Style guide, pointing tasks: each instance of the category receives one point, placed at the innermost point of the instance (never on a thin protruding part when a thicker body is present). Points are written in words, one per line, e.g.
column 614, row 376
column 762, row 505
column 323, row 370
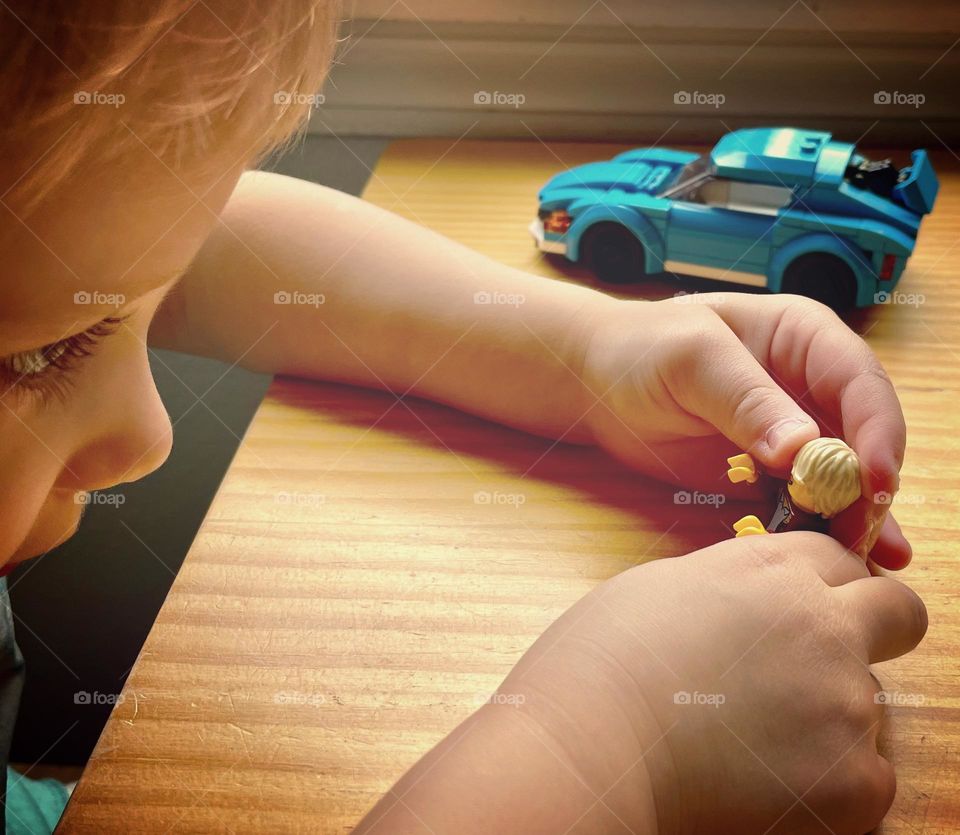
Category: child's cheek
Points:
column 33, row 516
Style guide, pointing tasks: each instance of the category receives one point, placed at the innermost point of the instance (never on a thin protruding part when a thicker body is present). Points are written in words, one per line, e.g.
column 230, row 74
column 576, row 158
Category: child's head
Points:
column 131, row 123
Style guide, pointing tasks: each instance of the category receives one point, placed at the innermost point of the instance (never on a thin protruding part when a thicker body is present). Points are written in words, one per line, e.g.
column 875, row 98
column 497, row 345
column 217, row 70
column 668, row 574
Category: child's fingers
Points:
column 874, row 426
column 814, row 353
column 817, row 356
column 893, row 550
column 890, row 549
column 720, row 381
column 852, row 527
column 867, row 528
column 890, row 618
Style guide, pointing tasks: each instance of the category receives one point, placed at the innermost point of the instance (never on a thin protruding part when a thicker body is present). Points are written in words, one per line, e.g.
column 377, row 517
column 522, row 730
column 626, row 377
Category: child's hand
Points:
column 768, row 373
column 731, row 685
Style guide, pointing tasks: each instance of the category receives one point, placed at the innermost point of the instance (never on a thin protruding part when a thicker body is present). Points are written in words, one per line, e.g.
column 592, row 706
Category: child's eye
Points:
column 47, row 368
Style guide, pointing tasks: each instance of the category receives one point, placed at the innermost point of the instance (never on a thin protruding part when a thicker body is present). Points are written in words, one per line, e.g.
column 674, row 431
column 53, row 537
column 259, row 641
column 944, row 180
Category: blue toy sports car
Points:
column 787, row 209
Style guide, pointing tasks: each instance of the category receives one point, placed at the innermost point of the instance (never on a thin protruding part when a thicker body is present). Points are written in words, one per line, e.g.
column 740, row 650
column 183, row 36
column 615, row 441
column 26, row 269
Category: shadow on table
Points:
column 689, row 515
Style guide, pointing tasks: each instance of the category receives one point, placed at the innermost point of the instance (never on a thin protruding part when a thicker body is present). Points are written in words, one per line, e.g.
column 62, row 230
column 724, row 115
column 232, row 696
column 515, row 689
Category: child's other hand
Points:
column 767, row 373
column 731, row 685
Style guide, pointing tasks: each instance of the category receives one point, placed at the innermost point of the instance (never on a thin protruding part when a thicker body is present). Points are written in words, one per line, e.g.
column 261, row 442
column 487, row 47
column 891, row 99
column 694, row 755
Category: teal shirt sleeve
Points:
column 11, row 684
column 28, row 807
column 33, row 807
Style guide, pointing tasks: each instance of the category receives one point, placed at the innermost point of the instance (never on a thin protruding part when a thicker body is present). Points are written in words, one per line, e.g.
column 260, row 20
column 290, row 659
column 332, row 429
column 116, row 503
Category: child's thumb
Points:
column 733, row 391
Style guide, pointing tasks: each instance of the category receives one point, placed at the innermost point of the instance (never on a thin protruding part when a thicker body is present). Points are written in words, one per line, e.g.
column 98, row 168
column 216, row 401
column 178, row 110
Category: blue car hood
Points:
column 643, row 171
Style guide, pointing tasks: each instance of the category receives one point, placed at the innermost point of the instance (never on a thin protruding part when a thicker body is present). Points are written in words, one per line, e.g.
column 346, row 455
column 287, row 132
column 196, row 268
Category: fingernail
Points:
column 779, row 432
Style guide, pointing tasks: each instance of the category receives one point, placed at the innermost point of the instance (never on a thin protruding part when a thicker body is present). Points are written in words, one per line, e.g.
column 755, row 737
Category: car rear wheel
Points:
column 613, row 253
column 825, row 278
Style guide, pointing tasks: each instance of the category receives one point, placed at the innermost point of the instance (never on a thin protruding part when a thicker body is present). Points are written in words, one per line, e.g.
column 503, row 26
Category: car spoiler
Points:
column 918, row 190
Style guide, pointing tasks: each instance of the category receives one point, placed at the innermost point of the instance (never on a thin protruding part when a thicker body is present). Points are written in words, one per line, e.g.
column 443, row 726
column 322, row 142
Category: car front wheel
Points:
column 824, row 278
column 613, row 253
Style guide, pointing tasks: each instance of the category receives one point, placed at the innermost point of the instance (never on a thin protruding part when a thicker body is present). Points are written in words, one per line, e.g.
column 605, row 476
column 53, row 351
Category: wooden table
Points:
column 351, row 595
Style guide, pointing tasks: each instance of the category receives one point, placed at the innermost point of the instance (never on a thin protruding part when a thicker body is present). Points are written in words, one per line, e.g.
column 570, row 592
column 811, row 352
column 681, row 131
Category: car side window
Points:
column 757, row 197
column 709, row 191
column 715, row 192
column 737, row 196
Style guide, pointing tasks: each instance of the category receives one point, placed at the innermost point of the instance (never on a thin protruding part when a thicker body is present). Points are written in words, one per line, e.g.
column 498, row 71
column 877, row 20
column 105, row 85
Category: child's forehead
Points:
column 37, row 313
column 98, row 246
column 61, row 278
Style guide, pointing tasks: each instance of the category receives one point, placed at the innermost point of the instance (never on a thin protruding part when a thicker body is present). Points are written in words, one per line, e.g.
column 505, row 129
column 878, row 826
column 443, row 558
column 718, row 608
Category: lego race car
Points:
column 787, row 209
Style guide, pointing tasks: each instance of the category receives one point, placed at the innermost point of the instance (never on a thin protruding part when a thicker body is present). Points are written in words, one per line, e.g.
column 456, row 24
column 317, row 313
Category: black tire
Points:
column 825, row 278
column 613, row 253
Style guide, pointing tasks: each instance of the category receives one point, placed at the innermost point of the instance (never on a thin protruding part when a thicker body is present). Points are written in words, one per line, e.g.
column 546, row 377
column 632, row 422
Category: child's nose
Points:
column 132, row 444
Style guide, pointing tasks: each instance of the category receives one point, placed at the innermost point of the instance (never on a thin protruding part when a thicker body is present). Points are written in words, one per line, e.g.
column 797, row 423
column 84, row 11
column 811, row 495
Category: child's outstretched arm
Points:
column 379, row 301
column 303, row 280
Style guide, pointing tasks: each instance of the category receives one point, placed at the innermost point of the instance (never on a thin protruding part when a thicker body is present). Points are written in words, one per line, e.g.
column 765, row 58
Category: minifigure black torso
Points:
column 789, row 517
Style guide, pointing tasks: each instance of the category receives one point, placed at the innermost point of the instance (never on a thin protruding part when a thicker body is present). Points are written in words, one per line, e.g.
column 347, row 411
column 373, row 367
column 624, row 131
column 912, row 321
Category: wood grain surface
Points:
column 370, row 569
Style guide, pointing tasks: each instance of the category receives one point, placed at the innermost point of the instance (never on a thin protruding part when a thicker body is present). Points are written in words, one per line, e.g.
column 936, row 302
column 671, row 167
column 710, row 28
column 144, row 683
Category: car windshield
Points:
column 691, row 173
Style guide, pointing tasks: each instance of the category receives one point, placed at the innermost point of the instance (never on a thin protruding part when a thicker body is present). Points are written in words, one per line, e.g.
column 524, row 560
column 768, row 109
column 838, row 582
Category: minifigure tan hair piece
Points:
column 825, row 478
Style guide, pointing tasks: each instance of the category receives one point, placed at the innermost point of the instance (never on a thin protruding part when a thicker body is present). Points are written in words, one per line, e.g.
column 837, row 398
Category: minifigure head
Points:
column 825, row 478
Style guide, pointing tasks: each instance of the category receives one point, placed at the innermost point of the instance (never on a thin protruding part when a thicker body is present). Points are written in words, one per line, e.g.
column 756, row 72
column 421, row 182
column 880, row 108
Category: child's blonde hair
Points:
column 84, row 80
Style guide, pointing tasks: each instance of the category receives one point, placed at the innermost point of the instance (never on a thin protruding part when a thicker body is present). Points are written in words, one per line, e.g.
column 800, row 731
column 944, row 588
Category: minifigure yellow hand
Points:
column 742, row 468
column 749, row 526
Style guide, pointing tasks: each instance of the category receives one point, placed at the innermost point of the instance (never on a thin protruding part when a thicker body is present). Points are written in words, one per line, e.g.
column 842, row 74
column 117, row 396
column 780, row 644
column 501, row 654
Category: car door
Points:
column 722, row 229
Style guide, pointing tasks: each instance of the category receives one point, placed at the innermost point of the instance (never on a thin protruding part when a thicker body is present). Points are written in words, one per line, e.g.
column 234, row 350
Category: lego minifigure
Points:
column 824, row 480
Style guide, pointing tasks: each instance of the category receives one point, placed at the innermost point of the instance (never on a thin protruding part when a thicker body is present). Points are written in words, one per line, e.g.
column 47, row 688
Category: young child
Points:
column 132, row 217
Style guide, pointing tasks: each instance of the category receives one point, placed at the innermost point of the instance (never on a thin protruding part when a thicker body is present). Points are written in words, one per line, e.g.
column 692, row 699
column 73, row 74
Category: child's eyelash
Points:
column 46, row 369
